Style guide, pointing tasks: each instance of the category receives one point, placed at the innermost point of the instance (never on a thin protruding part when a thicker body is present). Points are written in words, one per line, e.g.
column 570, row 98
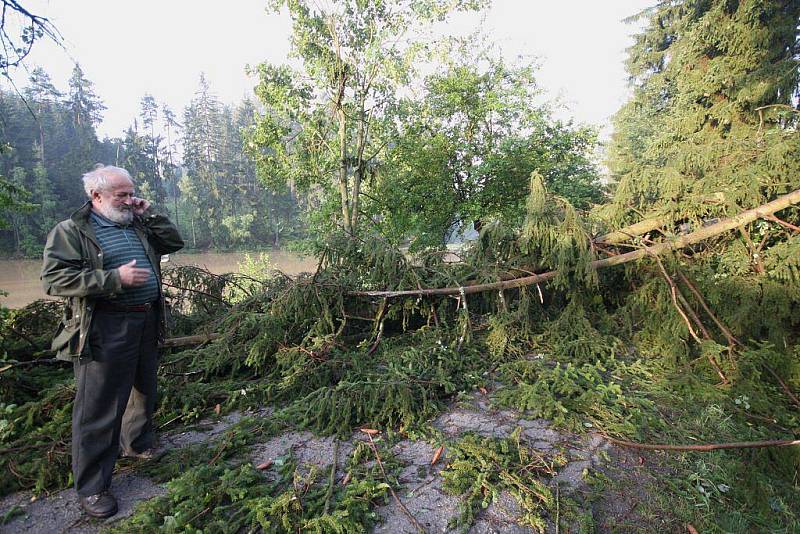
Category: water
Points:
column 20, row 278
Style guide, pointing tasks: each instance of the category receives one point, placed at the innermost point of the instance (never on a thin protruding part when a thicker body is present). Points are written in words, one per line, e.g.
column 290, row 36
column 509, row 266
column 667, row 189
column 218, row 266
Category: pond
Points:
column 20, row 278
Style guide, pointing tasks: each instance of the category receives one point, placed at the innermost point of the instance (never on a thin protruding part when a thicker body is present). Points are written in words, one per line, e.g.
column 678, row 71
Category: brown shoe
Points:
column 147, row 454
column 100, row 505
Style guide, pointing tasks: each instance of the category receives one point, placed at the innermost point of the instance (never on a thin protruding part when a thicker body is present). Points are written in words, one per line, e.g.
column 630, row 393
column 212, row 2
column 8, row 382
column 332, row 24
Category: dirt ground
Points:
column 612, row 509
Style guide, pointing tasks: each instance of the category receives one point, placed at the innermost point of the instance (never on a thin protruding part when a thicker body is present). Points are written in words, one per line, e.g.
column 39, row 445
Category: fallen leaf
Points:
column 437, row 454
column 264, row 465
column 346, row 479
column 370, row 431
column 217, row 409
column 691, row 529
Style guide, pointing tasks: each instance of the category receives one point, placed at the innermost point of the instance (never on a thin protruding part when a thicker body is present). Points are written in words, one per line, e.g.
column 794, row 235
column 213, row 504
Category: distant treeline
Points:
column 194, row 167
column 284, row 165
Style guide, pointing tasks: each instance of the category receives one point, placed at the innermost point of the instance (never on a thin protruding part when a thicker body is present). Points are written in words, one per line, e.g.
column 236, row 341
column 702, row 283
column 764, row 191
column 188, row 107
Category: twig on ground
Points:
column 332, row 477
column 170, row 421
column 391, row 489
column 784, row 385
column 707, row 447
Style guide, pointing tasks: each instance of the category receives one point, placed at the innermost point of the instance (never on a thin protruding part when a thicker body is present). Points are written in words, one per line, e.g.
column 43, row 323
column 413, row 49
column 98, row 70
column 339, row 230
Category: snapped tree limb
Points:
column 702, row 234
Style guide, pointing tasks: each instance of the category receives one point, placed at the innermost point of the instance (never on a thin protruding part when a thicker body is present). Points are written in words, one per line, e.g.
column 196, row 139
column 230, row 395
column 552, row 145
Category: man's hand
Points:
column 132, row 276
column 139, row 205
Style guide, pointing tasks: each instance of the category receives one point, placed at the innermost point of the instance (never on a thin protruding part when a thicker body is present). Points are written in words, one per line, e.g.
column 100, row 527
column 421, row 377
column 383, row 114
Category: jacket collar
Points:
column 81, row 215
column 81, row 219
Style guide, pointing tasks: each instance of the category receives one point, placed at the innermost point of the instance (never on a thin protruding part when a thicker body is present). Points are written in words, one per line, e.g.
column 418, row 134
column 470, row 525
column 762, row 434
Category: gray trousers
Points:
column 115, row 397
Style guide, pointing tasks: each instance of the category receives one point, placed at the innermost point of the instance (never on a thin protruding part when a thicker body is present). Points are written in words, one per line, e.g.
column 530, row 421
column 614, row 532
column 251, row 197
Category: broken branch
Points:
column 707, row 232
column 707, row 447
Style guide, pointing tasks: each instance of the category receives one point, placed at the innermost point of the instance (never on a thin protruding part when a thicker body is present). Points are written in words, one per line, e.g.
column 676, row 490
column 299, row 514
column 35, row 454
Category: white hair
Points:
column 97, row 179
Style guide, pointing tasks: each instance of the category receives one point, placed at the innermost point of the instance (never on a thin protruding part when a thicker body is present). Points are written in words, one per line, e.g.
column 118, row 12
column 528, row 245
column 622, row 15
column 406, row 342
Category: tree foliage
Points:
column 711, row 126
column 48, row 138
column 324, row 125
column 465, row 149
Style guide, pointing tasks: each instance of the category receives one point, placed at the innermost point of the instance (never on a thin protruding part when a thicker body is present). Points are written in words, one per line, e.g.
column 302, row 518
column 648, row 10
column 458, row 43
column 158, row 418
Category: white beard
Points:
column 117, row 215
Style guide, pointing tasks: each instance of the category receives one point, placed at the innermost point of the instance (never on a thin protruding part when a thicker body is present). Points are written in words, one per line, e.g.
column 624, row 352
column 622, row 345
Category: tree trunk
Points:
column 343, row 169
column 358, row 175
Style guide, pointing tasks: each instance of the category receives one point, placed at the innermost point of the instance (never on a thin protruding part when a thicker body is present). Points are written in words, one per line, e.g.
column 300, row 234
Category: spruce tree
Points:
column 711, row 127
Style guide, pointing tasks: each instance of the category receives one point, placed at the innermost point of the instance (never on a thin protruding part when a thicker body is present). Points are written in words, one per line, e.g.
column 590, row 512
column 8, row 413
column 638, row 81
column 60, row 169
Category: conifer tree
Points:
column 711, row 127
column 87, row 109
column 149, row 115
column 202, row 158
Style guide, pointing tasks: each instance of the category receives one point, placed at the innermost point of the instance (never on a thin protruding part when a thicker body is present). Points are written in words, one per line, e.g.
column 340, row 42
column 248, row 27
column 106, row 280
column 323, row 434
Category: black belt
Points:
column 104, row 305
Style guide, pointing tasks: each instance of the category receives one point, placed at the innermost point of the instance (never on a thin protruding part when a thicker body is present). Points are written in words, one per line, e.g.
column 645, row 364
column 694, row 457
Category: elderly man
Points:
column 105, row 260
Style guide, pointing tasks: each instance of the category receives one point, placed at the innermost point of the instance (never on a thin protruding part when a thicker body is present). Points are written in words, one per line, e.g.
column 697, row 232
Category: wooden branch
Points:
column 676, row 295
column 169, row 343
column 725, row 331
column 702, row 234
column 784, row 385
column 782, row 223
column 189, row 340
column 782, row 106
column 12, row 364
column 209, row 295
column 647, row 225
column 703, row 448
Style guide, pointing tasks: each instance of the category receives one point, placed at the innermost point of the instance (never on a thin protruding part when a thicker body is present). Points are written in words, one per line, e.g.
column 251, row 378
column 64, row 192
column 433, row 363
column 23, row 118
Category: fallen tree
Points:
column 331, row 353
column 707, row 232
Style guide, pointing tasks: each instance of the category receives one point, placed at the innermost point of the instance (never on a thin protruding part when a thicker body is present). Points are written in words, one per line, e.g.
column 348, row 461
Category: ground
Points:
column 618, row 506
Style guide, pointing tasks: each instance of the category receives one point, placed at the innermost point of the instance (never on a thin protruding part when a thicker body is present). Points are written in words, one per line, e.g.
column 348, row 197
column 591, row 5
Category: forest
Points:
column 648, row 316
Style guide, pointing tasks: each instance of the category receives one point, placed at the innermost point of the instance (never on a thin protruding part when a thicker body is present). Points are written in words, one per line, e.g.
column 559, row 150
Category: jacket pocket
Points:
column 67, row 331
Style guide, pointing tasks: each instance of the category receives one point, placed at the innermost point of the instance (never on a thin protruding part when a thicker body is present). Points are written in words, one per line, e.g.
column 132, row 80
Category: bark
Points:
column 343, row 168
column 647, row 225
column 637, row 229
column 358, row 175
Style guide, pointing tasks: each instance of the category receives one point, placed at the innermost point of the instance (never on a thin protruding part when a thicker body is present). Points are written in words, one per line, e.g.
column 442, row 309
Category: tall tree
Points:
column 711, row 127
column 87, row 109
column 171, row 128
column 203, row 159
column 43, row 95
column 323, row 124
column 152, row 142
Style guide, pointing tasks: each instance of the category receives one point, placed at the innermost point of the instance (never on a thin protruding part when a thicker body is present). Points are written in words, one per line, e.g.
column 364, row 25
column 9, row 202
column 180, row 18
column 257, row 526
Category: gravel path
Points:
column 421, row 490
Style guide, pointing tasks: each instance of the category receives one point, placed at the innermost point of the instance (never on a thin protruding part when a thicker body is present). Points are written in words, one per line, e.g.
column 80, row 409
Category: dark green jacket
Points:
column 73, row 268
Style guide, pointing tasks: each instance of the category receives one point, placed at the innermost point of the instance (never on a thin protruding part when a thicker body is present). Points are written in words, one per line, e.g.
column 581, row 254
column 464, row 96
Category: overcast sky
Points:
column 129, row 48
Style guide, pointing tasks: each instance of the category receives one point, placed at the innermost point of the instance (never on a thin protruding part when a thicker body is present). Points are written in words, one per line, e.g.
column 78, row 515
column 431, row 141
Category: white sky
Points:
column 129, row 48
